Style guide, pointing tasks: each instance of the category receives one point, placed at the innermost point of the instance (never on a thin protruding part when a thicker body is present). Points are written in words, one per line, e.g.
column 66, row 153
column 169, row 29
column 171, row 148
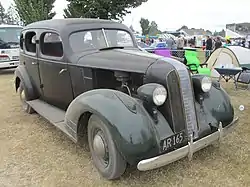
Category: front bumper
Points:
column 9, row 64
column 188, row 150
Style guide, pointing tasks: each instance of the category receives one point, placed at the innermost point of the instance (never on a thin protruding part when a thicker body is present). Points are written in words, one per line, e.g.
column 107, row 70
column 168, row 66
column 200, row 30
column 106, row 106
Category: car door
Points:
column 55, row 77
column 28, row 47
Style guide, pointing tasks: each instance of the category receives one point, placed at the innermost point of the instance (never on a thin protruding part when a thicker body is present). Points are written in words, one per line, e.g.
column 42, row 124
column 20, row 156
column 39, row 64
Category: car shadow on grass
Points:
column 7, row 71
column 132, row 177
column 171, row 170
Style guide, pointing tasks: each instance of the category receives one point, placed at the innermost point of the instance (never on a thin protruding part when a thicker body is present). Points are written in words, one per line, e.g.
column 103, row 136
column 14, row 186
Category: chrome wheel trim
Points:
column 100, row 148
column 23, row 99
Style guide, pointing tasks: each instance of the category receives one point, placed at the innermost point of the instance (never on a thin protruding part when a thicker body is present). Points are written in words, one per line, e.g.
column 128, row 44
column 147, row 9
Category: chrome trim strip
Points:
column 188, row 150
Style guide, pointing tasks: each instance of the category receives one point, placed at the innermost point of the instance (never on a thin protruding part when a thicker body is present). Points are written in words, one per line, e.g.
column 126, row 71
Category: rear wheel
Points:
column 22, row 95
column 106, row 157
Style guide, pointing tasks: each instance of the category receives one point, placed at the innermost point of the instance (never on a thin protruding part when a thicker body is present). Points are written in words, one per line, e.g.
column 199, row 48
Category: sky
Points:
column 172, row 14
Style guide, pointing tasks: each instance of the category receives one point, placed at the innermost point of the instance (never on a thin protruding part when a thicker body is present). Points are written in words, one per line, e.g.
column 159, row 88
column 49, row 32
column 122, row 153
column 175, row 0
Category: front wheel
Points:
column 106, row 157
column 22, row 95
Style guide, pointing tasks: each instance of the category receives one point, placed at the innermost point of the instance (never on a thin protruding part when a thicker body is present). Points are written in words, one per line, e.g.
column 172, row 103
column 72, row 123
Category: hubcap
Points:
column 23, row 96
column 23, row 100
column 100, row 148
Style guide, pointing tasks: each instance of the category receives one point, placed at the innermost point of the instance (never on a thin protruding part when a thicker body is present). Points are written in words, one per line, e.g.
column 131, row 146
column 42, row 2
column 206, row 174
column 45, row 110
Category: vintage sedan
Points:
column 89, row 78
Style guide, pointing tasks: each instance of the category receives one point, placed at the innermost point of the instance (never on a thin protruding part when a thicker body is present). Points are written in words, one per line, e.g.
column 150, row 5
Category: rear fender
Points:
column 22, row 75
column 129, row 123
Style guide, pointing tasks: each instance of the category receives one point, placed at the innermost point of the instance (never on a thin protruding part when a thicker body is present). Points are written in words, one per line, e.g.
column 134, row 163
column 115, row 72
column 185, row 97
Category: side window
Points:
column 30, row 42
column 51, row 44
column 21, row 41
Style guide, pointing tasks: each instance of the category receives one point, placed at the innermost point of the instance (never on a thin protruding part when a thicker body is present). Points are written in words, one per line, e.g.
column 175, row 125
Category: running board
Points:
column 51, row 113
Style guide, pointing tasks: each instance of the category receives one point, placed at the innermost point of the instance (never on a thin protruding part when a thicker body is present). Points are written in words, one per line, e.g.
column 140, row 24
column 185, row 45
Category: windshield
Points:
column 10, row 36
column 95, row 39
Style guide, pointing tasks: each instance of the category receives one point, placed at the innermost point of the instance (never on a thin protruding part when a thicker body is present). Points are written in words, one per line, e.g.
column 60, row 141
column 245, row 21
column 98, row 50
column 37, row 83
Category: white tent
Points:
column 231, row 56
column 232, row 34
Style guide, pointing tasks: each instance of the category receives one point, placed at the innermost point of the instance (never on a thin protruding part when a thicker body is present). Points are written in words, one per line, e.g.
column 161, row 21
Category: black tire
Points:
column 22, row 95
column 116, row 165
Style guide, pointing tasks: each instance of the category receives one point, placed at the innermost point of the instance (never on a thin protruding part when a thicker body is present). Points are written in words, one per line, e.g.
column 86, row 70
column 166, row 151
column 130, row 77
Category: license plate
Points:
column 172, row 141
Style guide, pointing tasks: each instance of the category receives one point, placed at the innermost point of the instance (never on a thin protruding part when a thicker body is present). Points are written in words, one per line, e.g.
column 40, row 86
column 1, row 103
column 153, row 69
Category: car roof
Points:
column 64, row 24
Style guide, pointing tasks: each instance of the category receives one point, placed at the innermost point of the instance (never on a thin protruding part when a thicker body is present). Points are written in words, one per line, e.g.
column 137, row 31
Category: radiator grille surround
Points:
column 186, row 89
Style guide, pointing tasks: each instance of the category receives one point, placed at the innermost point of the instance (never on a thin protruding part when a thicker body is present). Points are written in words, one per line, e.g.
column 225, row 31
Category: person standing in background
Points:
column 180, row 43
column 203, row 42
column 185, row 42
column 180, row 46
column 228, row 42
column 170, row 43
column 243, row 43
column 218, row 43
column 209, row 43
column 209, row 46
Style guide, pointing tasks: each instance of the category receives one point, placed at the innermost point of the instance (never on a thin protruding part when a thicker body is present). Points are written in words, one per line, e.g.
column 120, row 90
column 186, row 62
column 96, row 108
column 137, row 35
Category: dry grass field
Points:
column 34, row 153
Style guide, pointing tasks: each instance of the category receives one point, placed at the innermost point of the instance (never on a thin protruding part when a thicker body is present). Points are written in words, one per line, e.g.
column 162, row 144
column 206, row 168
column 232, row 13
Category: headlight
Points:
column 206, row 84
column 159, row 95
column 152, row 94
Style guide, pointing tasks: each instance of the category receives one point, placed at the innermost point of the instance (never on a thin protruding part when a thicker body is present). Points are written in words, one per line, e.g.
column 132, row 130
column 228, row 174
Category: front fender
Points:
column 218, row 103
column 22, row 75
column 129, row 123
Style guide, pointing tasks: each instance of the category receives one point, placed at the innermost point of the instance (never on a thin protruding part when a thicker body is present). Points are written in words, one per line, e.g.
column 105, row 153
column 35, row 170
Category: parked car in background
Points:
column 156, row 45
column 9, row 45
column 142, row 45
column 89, row 78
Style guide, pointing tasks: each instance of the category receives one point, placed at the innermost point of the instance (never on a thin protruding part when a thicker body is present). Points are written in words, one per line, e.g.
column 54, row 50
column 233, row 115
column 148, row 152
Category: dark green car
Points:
column 89, row 78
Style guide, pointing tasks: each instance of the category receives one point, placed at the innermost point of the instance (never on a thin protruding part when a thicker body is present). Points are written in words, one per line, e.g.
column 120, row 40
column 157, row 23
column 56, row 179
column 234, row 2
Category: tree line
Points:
column 149, row 28
column 8, row 16
column 28, row 11
column 23, row 12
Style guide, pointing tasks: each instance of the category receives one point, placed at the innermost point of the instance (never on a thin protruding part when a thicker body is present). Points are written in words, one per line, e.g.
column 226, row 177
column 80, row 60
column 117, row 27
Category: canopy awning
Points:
column 233, row 34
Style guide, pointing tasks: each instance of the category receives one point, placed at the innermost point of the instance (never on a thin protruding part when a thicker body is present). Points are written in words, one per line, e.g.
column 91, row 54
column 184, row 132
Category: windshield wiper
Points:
column 110, row 48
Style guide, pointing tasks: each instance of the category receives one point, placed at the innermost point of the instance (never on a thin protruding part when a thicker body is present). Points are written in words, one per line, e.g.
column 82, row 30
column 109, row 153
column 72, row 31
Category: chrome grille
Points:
column 187, row 97
column 174, row 105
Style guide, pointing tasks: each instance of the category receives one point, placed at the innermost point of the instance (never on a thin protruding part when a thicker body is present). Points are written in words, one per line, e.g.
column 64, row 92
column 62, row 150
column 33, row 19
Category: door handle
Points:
column 62, row 70
column 34, row 63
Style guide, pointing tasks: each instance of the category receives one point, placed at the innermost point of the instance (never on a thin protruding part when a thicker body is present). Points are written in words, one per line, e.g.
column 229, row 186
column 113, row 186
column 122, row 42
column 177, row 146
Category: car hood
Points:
column 119, row 59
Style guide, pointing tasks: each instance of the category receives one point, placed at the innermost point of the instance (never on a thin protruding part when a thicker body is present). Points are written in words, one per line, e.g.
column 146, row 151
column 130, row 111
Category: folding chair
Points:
column 194, row 64
column 244, row 77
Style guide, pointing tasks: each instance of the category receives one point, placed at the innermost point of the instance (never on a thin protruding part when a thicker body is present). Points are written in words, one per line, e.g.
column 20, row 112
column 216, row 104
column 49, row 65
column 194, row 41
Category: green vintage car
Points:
column 89, row 78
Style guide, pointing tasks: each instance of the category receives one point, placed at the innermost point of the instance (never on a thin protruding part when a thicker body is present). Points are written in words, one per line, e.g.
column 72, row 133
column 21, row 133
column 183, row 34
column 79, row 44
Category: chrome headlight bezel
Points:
column 159, row 95
column 202, row 83
column 153, row 94
column 206, row 84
